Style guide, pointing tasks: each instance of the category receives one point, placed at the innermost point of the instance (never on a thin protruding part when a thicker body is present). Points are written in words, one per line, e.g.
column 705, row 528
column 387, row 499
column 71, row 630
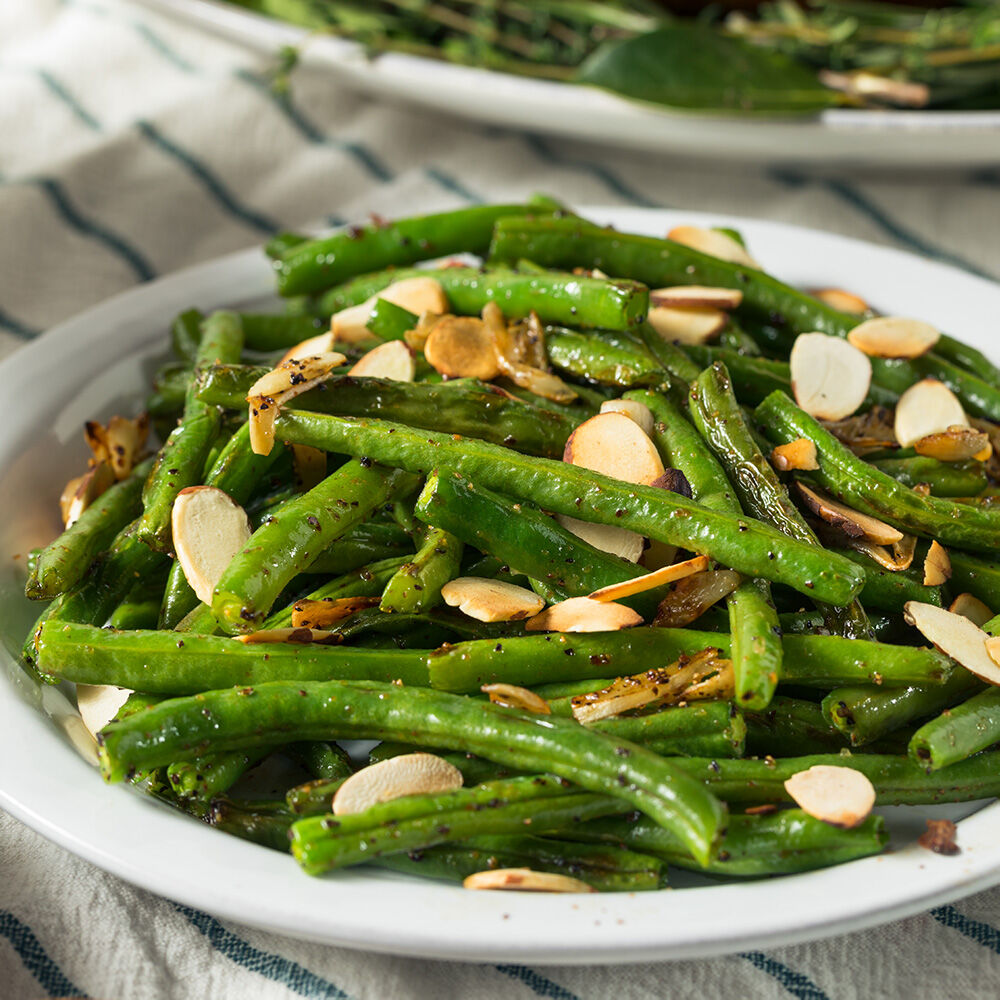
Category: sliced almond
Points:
column 524, row 880
column 696, row 295
column 687, row 325
column 391, row 360
column 276, row 387
column 490, row 600
column 957, row 637
column 581, row 614
column 851, row 522
column 512, row 696
column 408, row 774
column 461, row 347
column 969, row 606
column 830, row 377
column 418, row 294
column 309, row 464
column 714, row 243
column 956, row 444
column 895, row 561
column 904, row 550
column 296, row 636
column 866, row 84
column 322, row 343
column 606, row 537
column 99, row 704
column 842, row 301
column 797, row 454
column 894, row 337
column 928, row 407
column 659, row 577
column 638, row 412
column 209, row 528
column 693, row 595
column 81, row 492
column 120, row 443
column 328, row 610
column 615, row 445
column 839, row 796
column 937, row 566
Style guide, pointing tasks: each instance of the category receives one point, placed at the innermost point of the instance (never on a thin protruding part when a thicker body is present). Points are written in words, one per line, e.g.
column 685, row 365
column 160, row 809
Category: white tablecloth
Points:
column 132, row 145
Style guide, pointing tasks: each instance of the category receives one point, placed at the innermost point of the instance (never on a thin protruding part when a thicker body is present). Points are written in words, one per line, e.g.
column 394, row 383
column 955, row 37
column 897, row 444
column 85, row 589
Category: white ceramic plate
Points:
column 93, row 366
column 908, row 139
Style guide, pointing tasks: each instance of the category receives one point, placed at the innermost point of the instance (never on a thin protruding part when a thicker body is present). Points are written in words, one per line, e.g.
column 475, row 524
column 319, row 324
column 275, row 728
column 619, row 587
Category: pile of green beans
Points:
column 431, row 480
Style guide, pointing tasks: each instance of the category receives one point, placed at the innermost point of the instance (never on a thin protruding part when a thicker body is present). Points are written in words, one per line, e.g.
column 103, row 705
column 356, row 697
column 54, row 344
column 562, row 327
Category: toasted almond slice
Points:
column 408, row 774
column 460, row 347
column 581, row 614
column 638, row 412
column 937, row 565
column 81, row 492
column 541, row 383
column 615, row 445
column 840, row 300
column 524, row 880
column 125, row 440
column 894, row 337
column 328, row 610
column 301, row 636
column 797, row 454
column 850, row 521
column 714, row 243
column 490, row 600
column 904, row 550
column 659, row 577
column 687, row 325
column 512, row 696
column 99, row 704
column 309, row 464
column 696, row 295
column 391, row 360
column 606, row 537
column 969, row 606
column 322, row 343
column 957, row 637
column 839, row 796
column 209, row 528
column 658, row 555
column 928, row 407
column 900, row 558
column 418, row 294
column 956, row 444
column 830, row 377
column 693, row 595
column 96, row 436
column 863, row 83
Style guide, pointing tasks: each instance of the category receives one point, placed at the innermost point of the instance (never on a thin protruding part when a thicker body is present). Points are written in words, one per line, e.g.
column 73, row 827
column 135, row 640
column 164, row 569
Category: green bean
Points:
column 588, row 357
column 889, row 590
column 958, row 732
column 290, row 540
column 324, row 760
column 475, row 770
column 735, row 338
column 141, row 606
column 417, row 584
column 975, row 576
column 978, row 397
column 789, row 727
column 365, row 543
column 388, row 321
column 945, row 479
column 63, row 563
column 313, row 798
column 669, row 355
column 464, row 406
column 212, row 774
column 279, row 244
column 267, row 332
column 864, row 488
column 265, row 826
column 317, row 264
column 235, row 719
column 180, row 461
column 185, row 335
column 745, row 545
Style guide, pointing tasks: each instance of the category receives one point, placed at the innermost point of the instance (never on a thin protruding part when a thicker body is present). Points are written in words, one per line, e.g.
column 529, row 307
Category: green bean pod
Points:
column 958, row 732
column 416, row 585
column 588, row 357
column 945, row 479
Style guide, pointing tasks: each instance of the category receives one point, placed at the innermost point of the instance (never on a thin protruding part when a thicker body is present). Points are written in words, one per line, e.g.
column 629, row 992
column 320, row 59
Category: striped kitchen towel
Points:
column 132, row 145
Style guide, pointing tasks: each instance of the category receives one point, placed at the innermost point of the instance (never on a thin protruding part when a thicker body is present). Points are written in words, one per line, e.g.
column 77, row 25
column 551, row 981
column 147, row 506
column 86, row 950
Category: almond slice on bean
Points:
column 696, row 295
column 687, row 325
column 462, row 347
column 839, row 796
column 328, row 610
column 894, row 337
column 81, row 492
column 209, row 528
column 841, row 300
column 830, row 377
column 850, row 521
column 659, row 577
column 928, row 407
column 512, row 696
column 957, row 637
column 969, row 606
column 418, row 294
column 391, row 360
column 797, row 454
column 937, row 565
column 395, row 778
column 899, row 559
column 524, row 880
column 581, row 614
column 956, row 444
column 638, row 412
column 99, row 704
column 714, row 243
column 322, row 343
column 488, row 600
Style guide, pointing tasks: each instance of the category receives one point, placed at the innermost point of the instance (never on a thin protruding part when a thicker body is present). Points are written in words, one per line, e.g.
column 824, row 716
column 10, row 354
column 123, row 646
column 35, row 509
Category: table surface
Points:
column 132, row 146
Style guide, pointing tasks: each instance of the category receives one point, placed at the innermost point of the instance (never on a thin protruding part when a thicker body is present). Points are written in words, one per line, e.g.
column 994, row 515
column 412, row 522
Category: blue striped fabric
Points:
column 36, row 960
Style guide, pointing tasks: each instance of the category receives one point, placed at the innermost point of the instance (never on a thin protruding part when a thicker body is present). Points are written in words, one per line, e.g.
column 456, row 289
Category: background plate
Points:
column 94, row 366
column 908, row 139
